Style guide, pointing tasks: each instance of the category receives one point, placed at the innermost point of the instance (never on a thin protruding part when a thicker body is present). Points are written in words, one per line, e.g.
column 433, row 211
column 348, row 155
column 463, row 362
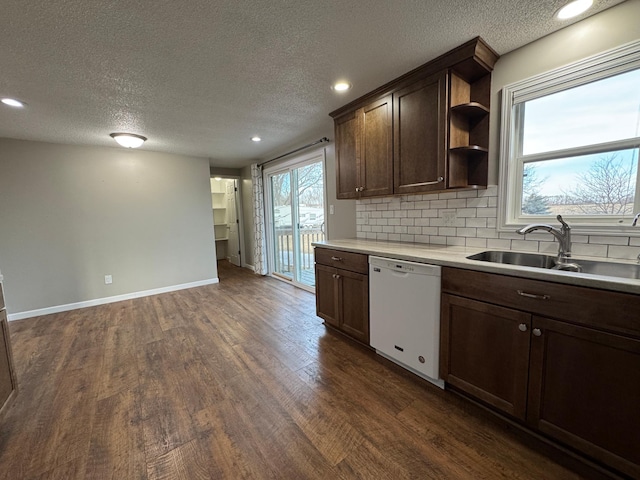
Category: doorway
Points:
column 295, row 195
column 225, row 202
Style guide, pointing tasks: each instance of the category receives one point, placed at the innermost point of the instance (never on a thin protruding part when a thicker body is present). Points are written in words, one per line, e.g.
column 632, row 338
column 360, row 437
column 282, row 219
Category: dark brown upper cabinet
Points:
column 364, row 151
column 426, row 131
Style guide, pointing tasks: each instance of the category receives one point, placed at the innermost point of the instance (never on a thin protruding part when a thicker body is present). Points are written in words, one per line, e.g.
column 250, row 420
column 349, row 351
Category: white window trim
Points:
column 606, row 64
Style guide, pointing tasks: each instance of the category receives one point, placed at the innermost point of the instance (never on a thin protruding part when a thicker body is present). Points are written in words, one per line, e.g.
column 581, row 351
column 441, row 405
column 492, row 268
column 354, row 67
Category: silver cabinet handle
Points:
column 522, row 327
column 336, row 259
column 439, row 180
column 357, row 189
column 533, row 295
column 537, row 332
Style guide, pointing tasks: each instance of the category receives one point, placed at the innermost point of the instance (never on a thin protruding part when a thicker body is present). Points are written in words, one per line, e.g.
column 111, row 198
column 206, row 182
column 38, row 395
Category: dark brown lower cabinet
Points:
column 486, row 353
column 8, row 383
column 584, row 390
column 564, row 378
column 342, row 292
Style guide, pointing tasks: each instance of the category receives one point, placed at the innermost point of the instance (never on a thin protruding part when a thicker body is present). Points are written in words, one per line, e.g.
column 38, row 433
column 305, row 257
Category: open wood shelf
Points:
column 471, row 110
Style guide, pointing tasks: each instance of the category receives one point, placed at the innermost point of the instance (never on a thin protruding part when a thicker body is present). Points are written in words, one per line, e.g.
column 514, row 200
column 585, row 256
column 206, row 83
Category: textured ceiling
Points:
column 201, row 77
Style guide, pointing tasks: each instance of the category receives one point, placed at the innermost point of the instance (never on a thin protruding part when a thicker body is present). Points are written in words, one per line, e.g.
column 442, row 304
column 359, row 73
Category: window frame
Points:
column 604, row 65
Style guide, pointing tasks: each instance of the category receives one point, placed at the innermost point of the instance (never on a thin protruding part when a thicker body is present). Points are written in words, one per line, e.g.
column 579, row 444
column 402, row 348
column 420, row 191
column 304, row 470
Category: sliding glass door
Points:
column 296, row 215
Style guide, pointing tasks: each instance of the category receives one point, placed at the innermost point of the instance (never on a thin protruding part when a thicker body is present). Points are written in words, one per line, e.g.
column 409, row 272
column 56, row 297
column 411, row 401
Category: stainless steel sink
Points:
column 516, row 258
column 609, row 269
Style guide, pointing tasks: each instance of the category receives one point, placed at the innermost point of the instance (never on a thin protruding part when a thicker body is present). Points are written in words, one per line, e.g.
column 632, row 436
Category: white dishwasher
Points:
column 404, row 300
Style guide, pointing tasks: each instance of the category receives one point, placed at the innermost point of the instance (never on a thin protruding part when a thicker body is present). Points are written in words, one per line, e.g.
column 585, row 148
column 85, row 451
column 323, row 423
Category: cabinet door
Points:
column 375, row 148
column 585, row 391
column 484, row 351
column 327, row 294
column 346, row 129
column 7, row 377
column 420, row 113
column 354, row 304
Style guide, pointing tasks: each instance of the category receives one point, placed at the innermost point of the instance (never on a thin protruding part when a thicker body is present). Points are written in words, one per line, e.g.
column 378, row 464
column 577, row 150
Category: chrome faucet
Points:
column 563, row 234
column 635, row 220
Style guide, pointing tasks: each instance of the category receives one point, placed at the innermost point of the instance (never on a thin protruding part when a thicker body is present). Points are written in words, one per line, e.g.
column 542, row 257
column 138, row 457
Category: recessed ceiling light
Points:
column 256, row 139
column 12, row 102
column 129, row 140
column 574, row 9
column 341, row 86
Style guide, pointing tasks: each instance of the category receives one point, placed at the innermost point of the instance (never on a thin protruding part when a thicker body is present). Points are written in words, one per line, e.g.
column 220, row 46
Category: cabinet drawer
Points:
column 355, row 262
column 619, row 312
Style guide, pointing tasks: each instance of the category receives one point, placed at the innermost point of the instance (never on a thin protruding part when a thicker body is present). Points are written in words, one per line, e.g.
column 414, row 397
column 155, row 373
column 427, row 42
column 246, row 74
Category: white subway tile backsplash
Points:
column 466, row 212
column 487, row 212
column 587, row 249
column 447, row 231
column 476, row 242
column 498, row 244
column 476, row 222
column 487, row 232
column 457, row 203
column 478, row 202
column 447, row 195
column 469, row 217
column 456, row 241
column 466, row 232
column 630, row 253
column 467, row 194
column 549, row 248
column 608, row 240
column 524, row 245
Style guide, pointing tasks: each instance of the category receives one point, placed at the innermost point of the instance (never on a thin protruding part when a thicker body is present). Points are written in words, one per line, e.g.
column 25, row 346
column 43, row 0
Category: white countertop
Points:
column 449, row 256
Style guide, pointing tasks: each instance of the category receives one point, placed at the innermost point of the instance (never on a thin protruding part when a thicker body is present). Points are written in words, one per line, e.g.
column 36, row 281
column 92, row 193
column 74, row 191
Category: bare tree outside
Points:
column 533, row 203
column 607, row 188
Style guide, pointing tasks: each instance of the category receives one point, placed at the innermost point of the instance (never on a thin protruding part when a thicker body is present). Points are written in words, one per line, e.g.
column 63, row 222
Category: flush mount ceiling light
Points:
column 12, row 102
column 129, row 140
column 573, row 9
column 256, row 139
column 341, row 86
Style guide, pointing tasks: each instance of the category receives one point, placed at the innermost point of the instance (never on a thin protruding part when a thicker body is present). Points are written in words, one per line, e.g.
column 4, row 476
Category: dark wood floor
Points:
column 234, row 380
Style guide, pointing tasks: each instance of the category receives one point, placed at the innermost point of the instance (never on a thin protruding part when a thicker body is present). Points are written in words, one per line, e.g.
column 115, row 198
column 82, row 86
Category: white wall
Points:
column 70, row 215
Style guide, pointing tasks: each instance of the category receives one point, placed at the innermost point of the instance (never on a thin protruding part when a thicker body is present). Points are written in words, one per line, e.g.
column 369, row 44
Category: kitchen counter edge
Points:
column 455, row 256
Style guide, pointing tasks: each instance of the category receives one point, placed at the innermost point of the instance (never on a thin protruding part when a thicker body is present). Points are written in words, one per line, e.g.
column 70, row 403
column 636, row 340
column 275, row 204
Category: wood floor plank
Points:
column 117, row 441
column 235, row 380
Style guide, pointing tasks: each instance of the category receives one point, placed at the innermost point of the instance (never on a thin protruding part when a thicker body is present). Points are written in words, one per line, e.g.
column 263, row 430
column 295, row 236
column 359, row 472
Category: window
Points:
column 570, row 145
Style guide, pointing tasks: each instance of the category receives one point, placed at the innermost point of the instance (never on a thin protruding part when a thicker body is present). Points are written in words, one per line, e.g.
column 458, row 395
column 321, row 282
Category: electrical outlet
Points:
column 108, row 279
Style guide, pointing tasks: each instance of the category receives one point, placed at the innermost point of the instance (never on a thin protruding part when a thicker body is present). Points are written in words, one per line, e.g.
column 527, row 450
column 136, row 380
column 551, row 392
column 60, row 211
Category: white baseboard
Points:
column 105, row 300
column 250, row 267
